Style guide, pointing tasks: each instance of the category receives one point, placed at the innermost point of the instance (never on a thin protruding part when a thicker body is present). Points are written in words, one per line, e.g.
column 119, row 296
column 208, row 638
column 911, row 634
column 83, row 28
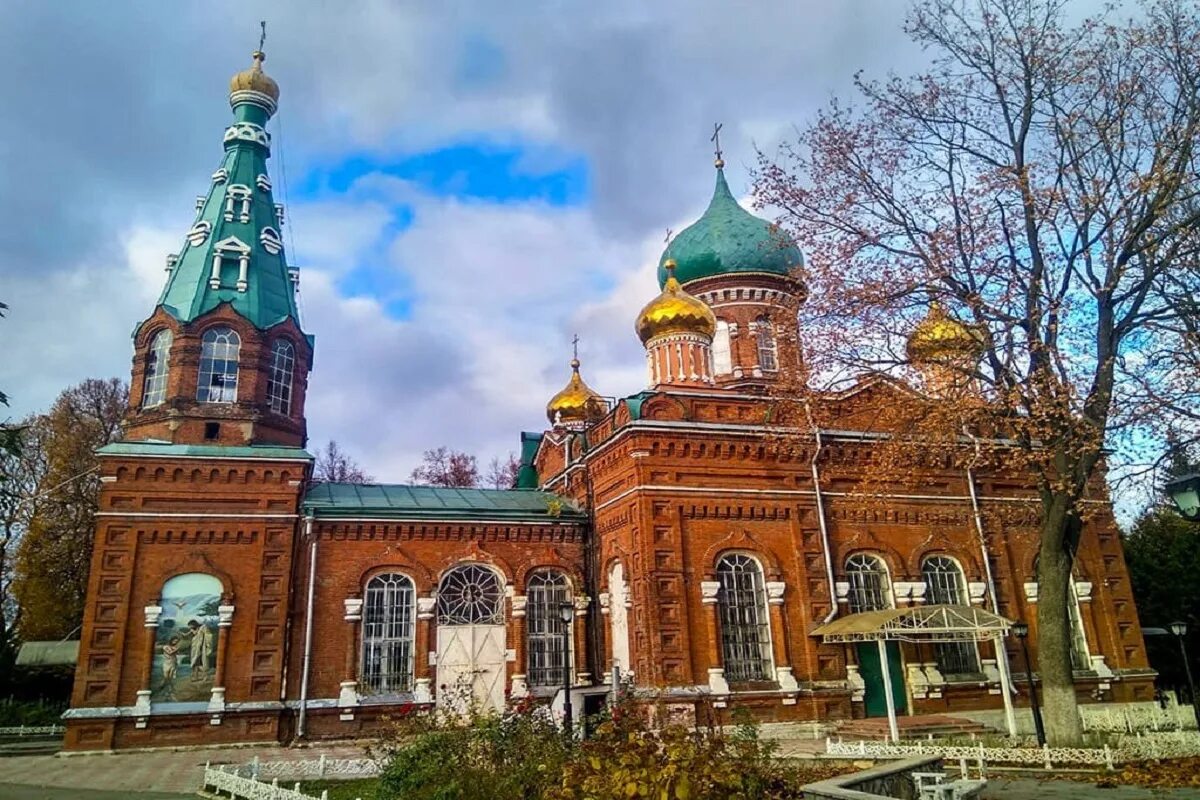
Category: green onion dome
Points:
column 729, row 239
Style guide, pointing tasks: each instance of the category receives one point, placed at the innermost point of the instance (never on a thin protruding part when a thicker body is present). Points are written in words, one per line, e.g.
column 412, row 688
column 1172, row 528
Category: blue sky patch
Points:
column 468, row 171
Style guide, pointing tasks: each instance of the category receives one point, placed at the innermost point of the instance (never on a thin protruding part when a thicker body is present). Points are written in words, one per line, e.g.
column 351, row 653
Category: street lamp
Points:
column 1185, row 493
column 566, row 612
column 1179, row 629
column 1021, row 631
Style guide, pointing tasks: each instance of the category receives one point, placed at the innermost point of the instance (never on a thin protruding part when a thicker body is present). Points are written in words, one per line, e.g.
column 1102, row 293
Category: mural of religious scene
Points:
column 185, row 649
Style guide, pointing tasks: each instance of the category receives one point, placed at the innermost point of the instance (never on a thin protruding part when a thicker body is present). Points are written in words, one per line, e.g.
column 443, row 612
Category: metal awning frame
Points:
column 921, row 623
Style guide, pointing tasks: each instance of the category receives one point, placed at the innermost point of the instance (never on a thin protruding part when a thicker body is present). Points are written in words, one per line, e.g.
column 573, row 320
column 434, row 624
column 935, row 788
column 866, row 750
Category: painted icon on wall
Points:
column 185, row 649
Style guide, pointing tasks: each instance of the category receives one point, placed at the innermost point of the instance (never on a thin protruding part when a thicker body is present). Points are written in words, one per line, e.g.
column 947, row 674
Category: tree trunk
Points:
column 1061, row 714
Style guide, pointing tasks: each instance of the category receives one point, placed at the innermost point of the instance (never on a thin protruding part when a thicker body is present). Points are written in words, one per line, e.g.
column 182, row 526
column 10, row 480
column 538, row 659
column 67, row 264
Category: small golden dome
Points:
column 254, row 79
column 675, row 311
column 576, row 403
column 941, row 336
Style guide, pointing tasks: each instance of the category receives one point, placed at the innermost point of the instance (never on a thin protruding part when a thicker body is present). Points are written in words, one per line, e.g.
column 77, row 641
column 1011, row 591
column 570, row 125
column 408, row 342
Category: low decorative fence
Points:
column 225, row 781
column 1132, row 719
column 1136, row 748
column 33, row 730
column 322, row 768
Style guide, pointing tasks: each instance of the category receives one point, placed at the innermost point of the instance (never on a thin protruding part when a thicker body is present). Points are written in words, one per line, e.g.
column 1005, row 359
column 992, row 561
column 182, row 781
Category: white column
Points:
column 1005, row 684
column 243, row 272
column 885, row 668
column 214, row 280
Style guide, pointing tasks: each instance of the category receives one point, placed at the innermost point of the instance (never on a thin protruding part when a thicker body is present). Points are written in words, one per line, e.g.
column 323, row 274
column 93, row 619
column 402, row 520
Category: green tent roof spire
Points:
column 728, row 239
column 234, row 250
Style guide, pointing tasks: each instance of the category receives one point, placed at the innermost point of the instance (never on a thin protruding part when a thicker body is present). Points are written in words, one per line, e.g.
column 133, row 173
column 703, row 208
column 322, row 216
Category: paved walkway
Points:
column 169, row 773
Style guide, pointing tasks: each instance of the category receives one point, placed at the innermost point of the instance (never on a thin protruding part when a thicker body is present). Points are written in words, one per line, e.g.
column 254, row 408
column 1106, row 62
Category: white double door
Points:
column 471, row 661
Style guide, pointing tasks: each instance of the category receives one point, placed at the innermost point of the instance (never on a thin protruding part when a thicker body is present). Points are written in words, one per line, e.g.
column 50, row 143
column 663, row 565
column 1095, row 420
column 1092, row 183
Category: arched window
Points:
column 470, row 594
column 219, row 353
column 765, row 336
column 944, row 583
column 544, row 597
column 154, row 389
column 279, row 381
column 745, row 626
column 722, row 356
column 387, row 635
column 870, row 586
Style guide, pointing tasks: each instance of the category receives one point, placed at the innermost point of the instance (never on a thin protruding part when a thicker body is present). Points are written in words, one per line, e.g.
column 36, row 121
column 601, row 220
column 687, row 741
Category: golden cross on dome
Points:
column 262, row 39
column 716, row 139
column 575, row 346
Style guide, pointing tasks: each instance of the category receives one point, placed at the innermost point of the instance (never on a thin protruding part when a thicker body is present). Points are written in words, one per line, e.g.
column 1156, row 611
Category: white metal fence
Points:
column 315, row 769
column 261, row 780
column 33, row 730
column 225, row 780
column 1148, row 717
column 1130, row 748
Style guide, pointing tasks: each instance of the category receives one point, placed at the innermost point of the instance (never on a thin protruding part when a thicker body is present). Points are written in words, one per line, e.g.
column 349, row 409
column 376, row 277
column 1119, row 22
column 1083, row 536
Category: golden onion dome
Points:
column 941, row 336
column 576, row 403
column 675, row 311
column 254, row 79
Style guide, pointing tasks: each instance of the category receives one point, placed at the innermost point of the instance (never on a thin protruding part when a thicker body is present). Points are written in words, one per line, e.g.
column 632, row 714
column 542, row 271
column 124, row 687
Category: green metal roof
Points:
column 728, row 238
column 222, row 224
column 400, row 501
column 203, row 451
column 527, row 476
column 48, row 654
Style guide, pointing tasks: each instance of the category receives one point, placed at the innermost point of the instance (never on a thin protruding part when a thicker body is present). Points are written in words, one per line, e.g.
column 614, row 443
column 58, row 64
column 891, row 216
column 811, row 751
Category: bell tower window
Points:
column 237, row 202
column 219, row 352
column 279, row 381
column 765, row 336
column 157, row 366
column 722, row 357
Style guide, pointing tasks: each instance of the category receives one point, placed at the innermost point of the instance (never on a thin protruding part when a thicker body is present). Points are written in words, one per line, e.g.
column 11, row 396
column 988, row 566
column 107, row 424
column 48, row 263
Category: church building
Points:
column 663, row 541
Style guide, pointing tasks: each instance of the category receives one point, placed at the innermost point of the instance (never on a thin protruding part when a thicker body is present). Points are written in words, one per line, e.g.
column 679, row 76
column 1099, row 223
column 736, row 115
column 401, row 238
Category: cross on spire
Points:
column 262, row 39
column 716, row 139
column 575, row 346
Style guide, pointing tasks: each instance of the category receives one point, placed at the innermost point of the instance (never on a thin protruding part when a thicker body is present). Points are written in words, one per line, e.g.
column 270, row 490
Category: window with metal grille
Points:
column 387, row 642
column 870, row 586
column 279, row 380
column 470, row 595
column 765, row 335
column 157, row 367
column 219, row 352
column 544, row 596
column 944, row 583
column 745, row 626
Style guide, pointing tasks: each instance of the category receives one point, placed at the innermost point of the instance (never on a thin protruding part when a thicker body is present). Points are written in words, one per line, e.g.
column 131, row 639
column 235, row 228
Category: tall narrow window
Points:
column 1080, row 657
column 945, row 584
column 387, row 641
column 870, row 586
column 157, row 366
column 279, row 381
column 721, row 353
column 219, row 352
column 745, row 626
column 765, row 335
column 544, row 596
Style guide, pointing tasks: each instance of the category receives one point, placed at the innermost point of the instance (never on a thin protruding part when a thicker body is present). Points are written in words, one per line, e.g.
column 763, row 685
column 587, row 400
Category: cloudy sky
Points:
column 468, row 183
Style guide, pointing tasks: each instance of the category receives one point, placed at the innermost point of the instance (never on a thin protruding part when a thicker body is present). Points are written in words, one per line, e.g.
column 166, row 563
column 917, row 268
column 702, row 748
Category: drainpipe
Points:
column 816, row 476
column 1001, row 651
column 308, row 624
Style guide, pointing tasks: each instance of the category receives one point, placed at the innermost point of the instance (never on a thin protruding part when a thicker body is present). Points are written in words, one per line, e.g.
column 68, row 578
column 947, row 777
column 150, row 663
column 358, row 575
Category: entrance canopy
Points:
column 924, row 623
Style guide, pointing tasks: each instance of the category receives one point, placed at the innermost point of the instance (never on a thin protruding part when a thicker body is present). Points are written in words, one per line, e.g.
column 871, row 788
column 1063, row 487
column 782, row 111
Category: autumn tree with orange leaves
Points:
column 1039, row 182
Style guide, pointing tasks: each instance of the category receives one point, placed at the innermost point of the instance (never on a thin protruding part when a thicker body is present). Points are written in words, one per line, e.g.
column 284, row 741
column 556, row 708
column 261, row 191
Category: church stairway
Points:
column 924, row 726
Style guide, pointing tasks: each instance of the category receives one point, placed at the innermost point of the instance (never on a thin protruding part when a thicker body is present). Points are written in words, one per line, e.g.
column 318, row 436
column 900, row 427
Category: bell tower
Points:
column 223, row 359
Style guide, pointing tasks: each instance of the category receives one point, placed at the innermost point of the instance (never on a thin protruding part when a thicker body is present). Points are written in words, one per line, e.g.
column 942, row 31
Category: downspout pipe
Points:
column 308, row 624
column 1008, row 687
column 816, row 478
